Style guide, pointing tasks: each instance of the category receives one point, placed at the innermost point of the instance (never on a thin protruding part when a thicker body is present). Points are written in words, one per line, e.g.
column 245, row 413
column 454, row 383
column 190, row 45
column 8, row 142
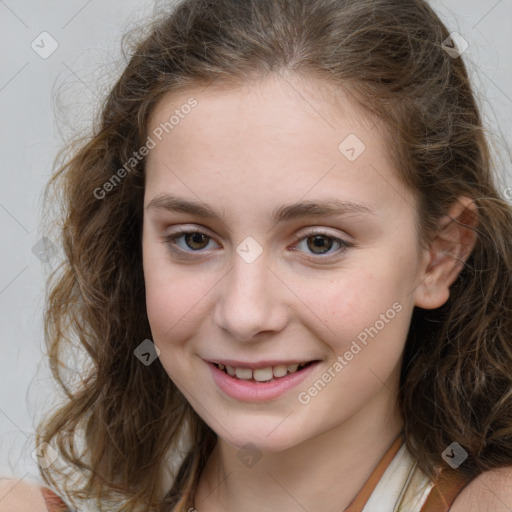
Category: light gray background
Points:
column 33, row 128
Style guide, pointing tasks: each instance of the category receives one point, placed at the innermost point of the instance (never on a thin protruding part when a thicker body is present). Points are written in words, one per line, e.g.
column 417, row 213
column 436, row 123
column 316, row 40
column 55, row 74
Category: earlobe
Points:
column 447, row 254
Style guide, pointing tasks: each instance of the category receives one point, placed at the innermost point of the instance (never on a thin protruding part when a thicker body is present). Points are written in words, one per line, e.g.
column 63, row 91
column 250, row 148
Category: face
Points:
column 272, row 237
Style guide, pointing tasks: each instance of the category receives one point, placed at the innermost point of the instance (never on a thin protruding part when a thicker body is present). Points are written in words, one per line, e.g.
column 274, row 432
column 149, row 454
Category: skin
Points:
column 247, row 151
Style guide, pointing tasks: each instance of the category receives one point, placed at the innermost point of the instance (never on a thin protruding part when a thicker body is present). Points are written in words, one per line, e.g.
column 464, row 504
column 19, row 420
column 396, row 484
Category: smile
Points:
column 268, row 374
column 268, row 382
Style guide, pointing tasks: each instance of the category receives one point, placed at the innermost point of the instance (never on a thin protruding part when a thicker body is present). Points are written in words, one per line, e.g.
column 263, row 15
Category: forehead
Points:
column 271, row 101
column 275, row 112
column 281, row 135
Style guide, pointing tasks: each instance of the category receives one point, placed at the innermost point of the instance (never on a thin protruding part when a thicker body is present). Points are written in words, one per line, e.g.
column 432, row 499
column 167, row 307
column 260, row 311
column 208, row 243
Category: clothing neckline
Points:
column 361, row 498
column 442, row 494
column 443, row 489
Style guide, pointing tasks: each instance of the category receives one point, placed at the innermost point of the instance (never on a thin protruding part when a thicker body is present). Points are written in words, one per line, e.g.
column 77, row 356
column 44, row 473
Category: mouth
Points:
column 264, row 375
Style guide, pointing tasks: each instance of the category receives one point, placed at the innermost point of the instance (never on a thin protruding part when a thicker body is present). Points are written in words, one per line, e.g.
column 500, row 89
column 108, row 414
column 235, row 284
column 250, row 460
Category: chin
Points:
column 262, row 436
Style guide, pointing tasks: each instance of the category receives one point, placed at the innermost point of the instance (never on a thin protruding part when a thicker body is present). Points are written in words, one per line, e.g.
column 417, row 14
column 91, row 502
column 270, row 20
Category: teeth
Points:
column 280, row 370
column 243, row 373
column 262, row 374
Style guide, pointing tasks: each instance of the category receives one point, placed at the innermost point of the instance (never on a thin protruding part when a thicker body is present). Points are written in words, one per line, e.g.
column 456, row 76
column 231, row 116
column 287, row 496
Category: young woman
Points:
column 289, row 264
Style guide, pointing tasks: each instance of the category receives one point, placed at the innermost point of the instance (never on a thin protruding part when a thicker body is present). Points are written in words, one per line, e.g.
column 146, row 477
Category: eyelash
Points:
column 170, row 240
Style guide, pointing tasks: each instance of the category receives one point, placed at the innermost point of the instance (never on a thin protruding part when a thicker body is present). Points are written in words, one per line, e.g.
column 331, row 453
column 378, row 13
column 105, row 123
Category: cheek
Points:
column 170, row 311
column 176, row 298
column 347, row 302
column 168, row 298
column 361, row 306
column 170, row 306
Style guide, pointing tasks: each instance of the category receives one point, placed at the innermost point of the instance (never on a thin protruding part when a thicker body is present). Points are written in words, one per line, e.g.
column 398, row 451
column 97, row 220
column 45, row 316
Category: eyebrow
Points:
column 321, row 208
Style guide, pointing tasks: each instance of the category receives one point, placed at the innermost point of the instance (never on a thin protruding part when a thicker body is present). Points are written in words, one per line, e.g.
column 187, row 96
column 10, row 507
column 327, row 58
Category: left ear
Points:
column 447, row 253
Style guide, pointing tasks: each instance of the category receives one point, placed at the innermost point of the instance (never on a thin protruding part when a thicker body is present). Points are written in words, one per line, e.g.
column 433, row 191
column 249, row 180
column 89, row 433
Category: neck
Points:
column 306, row 476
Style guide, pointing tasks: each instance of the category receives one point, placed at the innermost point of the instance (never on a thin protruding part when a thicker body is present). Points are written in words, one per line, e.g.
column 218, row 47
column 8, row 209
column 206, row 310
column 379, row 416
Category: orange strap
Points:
column 441, row 497
column 358, row 503
column 52, row 501
column 446, row 488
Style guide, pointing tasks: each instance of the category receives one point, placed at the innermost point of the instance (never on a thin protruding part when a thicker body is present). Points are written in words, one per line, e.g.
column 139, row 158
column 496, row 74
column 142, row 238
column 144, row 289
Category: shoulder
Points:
column 19, row 495
column 490, row 491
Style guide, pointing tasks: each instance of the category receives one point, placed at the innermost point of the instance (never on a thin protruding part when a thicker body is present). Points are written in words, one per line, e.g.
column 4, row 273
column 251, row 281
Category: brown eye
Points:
column 195, row 240
column 187, row 241
column 320, row 243
column 321, row 246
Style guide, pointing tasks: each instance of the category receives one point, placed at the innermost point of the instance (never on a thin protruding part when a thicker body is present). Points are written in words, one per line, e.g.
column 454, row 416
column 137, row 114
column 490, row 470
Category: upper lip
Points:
column 258, row 364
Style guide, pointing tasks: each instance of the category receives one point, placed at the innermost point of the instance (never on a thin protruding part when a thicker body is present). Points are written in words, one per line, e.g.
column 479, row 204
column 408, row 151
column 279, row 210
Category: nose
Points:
column 251, row 301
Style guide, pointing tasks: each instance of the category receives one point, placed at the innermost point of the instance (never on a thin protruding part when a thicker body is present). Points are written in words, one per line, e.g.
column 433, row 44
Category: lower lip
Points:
column 251, row 391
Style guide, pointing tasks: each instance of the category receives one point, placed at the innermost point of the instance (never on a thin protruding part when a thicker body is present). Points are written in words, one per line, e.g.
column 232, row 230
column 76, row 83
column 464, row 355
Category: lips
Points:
column 252, row 390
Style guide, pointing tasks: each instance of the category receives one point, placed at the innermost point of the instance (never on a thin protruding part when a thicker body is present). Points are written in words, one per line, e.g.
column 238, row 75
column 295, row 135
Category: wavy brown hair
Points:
column 129, row 419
